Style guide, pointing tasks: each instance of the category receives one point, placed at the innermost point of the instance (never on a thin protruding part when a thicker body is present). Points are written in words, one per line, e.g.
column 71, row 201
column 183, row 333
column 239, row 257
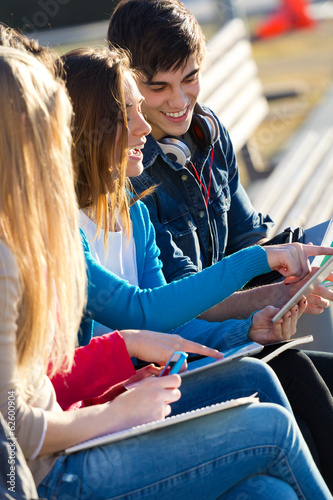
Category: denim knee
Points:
column 261, row 487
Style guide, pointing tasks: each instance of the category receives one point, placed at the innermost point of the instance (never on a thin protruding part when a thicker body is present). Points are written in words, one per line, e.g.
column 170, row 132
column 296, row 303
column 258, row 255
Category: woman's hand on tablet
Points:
column 291, row 260
column 158, row 347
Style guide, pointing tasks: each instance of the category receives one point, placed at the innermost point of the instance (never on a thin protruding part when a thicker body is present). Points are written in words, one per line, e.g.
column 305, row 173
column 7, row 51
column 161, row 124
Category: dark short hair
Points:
column 160, row 35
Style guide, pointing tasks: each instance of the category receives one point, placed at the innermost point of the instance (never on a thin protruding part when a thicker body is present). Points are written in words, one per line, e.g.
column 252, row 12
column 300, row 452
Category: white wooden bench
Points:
column 298, row 192
column 231, row 87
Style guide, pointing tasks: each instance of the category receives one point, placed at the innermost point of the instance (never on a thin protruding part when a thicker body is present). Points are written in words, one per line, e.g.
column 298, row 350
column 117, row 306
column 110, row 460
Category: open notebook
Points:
column 152, row 426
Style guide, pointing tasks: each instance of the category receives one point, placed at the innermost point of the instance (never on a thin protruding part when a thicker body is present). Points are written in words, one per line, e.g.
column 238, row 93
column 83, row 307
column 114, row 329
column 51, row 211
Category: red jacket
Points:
column 97, row 374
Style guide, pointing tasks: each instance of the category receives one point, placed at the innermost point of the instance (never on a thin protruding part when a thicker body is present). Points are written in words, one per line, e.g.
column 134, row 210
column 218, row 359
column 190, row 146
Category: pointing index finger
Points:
column 196, row 348
column 317, row 250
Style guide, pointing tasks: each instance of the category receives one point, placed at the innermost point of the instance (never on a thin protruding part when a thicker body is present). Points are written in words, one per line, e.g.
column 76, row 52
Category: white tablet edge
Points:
column 248, row 350
column 307, row 288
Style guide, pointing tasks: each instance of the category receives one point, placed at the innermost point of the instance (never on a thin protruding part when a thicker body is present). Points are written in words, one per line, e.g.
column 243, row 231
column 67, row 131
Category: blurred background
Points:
column 295, row 66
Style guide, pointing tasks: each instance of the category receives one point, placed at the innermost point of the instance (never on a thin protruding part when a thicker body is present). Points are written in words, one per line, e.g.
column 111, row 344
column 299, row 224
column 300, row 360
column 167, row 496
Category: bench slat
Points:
column 295, row 188
column 246, row 97
column 295, row 184
column 250, row 120
column 224, row 39
column 312, row 197
column 299, row 189
column 226, row 95
column 219, row 74
column 267, row 193
column 323, row 210
column 231, row 87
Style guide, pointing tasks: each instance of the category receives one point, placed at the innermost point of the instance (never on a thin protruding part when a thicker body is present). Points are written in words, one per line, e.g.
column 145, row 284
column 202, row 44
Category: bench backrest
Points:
column 298, row 192
column 230, row 83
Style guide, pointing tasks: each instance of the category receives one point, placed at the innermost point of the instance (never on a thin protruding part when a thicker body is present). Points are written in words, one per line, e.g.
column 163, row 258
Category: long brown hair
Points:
column 95, row 82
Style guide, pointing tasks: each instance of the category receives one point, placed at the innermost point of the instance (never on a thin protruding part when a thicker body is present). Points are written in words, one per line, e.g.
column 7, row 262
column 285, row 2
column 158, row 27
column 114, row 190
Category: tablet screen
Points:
column 236, row 352
column 308, row 288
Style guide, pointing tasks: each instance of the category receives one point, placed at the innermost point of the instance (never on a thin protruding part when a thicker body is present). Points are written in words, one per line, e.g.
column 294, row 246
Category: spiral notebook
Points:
column 160, row 424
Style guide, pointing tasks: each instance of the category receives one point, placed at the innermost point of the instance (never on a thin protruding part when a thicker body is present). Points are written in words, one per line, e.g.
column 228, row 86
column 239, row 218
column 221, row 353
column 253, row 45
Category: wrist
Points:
column 279, row 294
column 250, row 333
column 129, row 339
column 107, row 418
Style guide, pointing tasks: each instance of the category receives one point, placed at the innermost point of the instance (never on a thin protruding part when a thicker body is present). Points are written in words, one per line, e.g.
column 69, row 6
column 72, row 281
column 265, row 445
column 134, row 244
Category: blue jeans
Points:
column 254, row 451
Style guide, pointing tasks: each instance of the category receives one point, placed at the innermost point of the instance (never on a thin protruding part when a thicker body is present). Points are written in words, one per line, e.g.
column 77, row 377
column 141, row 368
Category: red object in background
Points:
column 292, row 14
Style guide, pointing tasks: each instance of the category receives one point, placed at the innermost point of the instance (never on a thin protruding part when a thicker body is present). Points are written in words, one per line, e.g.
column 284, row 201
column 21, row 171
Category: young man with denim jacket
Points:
column 199, row 209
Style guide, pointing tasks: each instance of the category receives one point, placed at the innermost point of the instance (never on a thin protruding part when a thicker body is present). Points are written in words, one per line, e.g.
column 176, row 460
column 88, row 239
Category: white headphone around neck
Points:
column 204, row 130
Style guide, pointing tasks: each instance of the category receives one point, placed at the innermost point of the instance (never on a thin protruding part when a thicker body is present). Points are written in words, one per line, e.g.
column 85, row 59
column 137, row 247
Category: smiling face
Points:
column 137, row 126
column 170, row 98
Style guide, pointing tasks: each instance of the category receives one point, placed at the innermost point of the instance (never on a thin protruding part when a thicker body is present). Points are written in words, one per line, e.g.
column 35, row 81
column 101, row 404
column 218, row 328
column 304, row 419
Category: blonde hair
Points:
column 38, row 212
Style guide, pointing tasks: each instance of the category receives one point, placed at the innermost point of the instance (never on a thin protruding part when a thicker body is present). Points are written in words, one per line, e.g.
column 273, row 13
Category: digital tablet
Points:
column 312, row 283
column 248, row 349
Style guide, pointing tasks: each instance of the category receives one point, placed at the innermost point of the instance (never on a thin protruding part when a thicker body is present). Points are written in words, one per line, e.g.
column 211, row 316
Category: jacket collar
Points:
column 151, row 151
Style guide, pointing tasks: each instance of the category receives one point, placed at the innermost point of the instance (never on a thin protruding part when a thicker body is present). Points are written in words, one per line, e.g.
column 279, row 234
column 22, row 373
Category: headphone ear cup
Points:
column 204, row 130
column 214, row 127
column 176, row 150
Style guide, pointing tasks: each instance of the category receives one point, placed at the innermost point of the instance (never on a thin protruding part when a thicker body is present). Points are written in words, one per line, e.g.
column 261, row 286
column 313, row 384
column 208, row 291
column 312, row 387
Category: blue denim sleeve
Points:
column 246, row 226
column 176, row 265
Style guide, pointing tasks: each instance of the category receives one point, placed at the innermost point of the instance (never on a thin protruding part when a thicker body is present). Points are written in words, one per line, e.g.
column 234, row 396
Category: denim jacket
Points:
column 192, row 236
